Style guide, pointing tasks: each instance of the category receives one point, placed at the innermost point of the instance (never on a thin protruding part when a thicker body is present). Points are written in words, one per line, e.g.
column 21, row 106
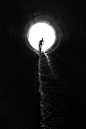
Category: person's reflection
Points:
column 41, row 42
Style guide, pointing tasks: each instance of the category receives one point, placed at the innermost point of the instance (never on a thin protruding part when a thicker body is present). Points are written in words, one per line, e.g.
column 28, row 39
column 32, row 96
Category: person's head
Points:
column 42, row 38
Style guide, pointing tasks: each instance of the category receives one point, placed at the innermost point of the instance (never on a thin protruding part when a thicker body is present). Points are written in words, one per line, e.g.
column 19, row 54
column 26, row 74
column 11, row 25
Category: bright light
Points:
column 41, row 30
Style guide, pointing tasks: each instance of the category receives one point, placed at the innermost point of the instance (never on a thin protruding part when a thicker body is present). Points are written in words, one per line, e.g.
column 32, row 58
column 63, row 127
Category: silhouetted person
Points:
column 41, row 42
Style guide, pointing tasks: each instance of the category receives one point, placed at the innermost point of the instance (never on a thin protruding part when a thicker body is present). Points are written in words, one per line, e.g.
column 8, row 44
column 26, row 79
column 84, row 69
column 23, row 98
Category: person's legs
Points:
column 39, row 48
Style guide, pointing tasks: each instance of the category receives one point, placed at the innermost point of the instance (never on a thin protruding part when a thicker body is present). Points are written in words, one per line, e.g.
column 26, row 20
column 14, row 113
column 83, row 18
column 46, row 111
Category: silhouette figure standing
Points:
column 41, row 42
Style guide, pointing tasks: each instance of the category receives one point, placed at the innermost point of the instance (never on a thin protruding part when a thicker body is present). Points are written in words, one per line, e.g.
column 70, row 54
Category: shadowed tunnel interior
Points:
column 19, row 95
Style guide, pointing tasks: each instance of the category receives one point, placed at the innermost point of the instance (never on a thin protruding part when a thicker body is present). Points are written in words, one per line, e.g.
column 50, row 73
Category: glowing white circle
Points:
column 41, row 30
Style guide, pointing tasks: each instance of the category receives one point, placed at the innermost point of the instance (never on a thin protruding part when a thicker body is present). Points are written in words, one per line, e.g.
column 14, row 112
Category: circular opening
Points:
column 41, row 34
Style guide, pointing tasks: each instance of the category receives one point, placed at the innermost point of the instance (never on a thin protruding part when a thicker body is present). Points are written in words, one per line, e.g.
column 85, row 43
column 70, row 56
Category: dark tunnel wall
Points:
column 19, row 97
